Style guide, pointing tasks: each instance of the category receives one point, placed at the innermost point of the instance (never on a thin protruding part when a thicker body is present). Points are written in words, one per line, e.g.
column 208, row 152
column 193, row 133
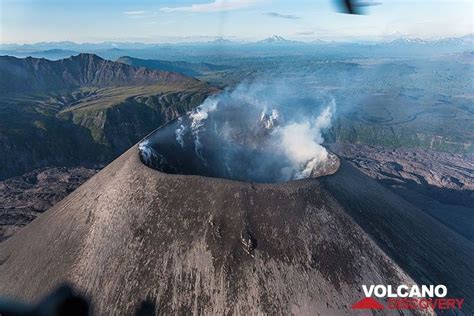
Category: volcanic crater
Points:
column 226, row 144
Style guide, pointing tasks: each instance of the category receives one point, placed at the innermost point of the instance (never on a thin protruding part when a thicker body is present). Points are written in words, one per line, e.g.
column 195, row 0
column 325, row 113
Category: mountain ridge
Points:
column 218, row 41
column 36, row 74
column 182, row 67
column 84, row 109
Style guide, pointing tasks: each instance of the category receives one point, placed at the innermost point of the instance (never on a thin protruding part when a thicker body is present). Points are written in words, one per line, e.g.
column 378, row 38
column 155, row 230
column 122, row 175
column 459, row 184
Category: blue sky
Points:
column 28, row 21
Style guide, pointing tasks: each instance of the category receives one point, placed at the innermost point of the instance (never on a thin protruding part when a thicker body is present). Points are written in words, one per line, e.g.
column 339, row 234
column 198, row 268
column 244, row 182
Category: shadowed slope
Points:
column 426, row 249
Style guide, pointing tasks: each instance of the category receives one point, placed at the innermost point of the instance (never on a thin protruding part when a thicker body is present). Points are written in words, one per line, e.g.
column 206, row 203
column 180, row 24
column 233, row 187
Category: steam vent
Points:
column 188, row 244
column 229, row 144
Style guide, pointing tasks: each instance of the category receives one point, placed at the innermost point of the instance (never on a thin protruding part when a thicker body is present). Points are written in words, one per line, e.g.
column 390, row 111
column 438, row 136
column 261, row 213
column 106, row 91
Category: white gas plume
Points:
column 266, row 123
column 259, row 132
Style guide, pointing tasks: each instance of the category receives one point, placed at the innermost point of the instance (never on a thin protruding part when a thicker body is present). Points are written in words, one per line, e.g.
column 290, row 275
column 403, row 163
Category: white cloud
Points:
column 215, row 6
column 305, row 33
column 134, row 13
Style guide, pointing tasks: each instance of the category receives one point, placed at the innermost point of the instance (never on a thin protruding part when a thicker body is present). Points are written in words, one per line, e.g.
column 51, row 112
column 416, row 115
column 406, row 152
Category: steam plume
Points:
column 255, row 132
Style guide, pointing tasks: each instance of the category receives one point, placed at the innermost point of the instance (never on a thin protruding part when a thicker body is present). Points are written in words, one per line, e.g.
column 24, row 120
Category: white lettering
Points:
column 427, row 291
column 415, row 291
column 380, row 291
column 368, row 292
column 390, row 292
column 441, row 290
column 402, row 291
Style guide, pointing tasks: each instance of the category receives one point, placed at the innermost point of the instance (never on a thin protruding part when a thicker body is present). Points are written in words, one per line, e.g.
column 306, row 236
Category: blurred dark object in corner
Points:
column 146, row 308
column 61, row 302
column 354, row 6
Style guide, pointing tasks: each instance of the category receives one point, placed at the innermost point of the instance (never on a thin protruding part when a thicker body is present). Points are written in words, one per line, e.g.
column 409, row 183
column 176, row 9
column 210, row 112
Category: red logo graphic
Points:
column 367, row 303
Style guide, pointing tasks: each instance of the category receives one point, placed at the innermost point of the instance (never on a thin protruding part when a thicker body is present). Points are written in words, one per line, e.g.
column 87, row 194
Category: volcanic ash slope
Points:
column 190, row 244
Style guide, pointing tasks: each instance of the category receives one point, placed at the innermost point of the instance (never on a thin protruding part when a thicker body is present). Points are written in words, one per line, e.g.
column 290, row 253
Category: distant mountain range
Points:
column 467, row 40
column 183, row 67
column 53, row 54
column 274, row 39
column 213, row 51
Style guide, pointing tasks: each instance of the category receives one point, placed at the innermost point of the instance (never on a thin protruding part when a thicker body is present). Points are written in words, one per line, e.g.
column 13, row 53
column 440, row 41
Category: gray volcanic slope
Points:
column 427, row 250
column 194, row 244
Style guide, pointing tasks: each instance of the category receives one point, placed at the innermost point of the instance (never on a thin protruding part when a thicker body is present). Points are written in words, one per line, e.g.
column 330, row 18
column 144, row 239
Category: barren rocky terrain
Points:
column 441, row 184
column 24, row 197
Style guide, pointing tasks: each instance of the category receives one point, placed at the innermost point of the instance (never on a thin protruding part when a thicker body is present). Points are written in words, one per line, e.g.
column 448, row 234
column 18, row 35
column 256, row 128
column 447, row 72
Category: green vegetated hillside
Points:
column 431, row 121
column 394, row 103
column 346, row 131
column 84, row 109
